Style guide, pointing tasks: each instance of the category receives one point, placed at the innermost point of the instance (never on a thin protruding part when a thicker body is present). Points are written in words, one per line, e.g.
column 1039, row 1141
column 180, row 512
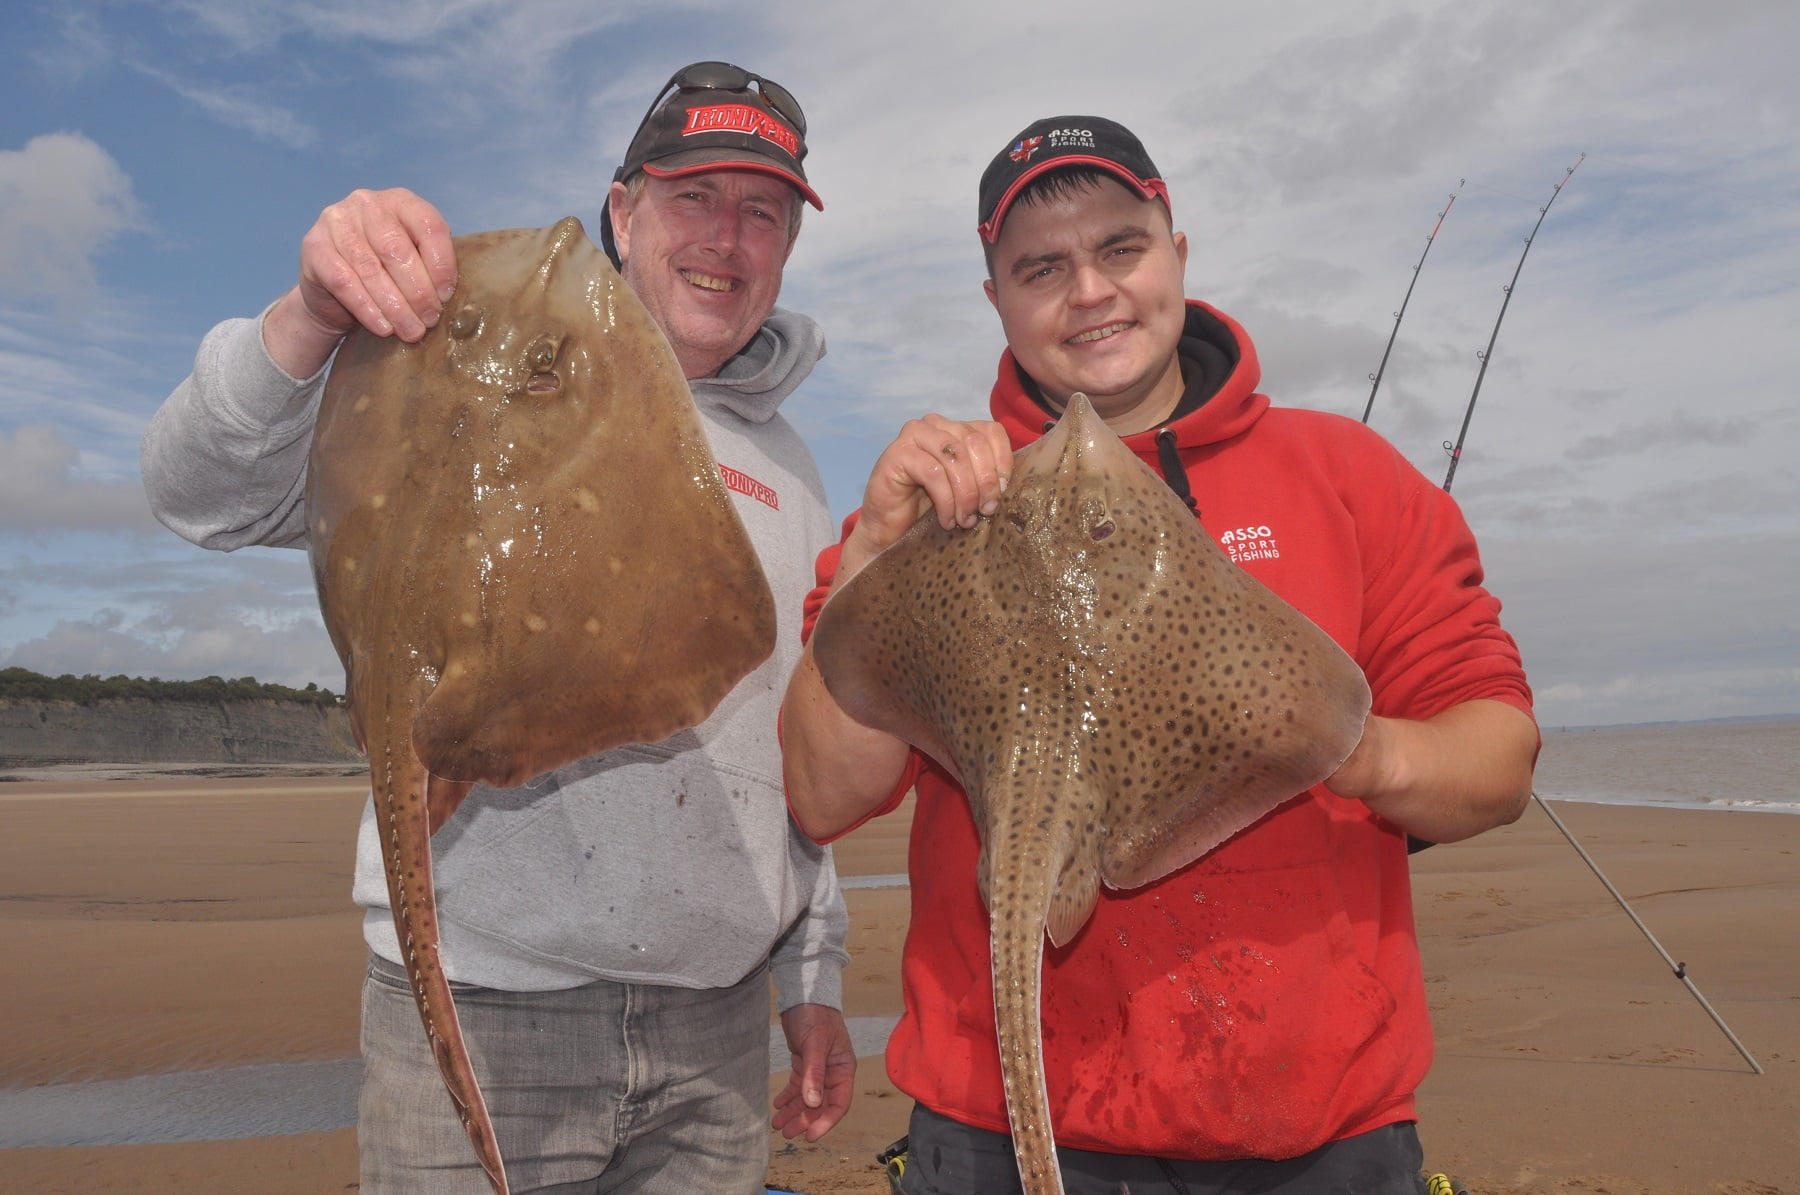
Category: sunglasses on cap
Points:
column 723, row 76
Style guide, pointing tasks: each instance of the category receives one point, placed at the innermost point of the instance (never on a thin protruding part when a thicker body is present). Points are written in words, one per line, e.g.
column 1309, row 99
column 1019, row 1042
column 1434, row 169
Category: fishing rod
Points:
column 1375, row 377
column 1455, row 450
column 1680, row 969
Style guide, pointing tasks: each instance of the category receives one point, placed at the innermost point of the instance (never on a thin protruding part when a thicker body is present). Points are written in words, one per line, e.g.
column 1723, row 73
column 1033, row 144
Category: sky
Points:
column 1628, row 466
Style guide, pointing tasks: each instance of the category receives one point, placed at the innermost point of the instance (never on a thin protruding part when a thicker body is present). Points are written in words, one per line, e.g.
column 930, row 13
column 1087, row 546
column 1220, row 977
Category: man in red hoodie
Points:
column 1255, row 1021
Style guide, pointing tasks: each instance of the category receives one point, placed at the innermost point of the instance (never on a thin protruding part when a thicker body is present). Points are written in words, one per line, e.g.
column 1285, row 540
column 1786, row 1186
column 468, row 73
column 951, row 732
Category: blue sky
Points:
column 1630, row 465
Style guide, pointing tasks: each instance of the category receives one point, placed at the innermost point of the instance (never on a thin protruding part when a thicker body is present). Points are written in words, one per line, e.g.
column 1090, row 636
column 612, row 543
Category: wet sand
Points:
column 152, row 923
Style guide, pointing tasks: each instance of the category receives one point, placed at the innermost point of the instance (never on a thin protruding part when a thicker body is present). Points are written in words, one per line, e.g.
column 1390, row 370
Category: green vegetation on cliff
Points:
column 21, row 684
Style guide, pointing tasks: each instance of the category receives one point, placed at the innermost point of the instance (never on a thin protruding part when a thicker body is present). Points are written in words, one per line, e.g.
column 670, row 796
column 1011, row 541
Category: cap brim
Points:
column 698, row 161
column 1153, row 188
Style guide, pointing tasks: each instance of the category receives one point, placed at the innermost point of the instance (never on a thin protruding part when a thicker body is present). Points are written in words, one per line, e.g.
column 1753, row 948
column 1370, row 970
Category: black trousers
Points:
column 946, row 1157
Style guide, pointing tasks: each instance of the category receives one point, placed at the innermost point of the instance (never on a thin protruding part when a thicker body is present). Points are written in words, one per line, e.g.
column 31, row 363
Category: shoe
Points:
column 893, row 1161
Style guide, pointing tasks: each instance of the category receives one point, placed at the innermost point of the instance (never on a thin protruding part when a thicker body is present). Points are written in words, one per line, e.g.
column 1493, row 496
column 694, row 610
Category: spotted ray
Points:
column 1116, row 696
column 524, row 555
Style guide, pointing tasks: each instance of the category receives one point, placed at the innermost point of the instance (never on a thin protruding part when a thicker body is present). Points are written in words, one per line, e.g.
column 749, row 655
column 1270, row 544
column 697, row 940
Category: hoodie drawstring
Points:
column 1174, row 472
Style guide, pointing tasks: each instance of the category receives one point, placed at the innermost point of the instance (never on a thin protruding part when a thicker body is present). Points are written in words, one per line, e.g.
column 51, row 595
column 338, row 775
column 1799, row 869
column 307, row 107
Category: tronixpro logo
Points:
column 743, row 483
column 741, row 118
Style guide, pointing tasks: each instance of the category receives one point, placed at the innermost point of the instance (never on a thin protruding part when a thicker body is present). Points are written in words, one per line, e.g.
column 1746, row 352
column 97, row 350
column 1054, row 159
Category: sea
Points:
column 1734, row 764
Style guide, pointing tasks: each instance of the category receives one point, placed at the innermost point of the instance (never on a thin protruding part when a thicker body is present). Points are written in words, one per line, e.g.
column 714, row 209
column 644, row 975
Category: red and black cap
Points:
column 719, row 117
column 1059, row 141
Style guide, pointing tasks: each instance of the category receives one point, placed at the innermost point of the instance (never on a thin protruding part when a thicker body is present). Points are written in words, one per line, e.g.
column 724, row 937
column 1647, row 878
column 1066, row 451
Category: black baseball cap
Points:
column 719, row 117
column 1058, row 141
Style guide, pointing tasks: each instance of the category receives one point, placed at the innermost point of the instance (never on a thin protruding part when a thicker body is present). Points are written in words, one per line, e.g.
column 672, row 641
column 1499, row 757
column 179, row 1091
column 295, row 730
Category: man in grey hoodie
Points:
column 611, row 926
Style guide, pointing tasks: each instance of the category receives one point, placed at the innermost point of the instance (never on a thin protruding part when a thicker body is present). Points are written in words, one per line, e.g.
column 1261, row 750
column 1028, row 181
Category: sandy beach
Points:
column 180, row 922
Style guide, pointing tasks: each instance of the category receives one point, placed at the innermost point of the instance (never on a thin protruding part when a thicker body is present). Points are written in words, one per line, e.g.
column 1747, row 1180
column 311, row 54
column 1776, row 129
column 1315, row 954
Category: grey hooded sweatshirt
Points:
column 669, row 863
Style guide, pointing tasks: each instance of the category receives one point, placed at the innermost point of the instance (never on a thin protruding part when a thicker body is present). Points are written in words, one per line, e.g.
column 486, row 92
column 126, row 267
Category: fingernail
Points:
column 445, row 291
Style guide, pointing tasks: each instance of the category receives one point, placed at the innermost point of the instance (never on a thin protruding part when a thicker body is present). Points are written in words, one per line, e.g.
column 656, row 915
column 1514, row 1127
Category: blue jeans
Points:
column 625, row 1088
column 946, row 1157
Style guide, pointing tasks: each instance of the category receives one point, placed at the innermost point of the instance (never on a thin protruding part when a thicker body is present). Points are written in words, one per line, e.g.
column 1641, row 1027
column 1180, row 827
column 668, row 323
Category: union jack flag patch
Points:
column 1025, row 148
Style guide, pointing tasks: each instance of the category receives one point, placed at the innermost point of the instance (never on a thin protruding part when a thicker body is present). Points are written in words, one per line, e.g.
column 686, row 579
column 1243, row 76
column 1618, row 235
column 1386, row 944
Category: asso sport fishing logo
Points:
column 1250, row 543
column 1022, row 150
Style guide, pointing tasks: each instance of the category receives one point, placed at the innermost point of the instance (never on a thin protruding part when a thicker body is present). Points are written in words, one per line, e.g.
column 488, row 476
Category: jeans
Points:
column 610, row 1087
column 946, row 1157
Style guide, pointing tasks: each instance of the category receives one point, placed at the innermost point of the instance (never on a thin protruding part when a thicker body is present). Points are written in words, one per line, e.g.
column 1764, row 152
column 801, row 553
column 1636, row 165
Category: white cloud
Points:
column 1680, row 428
column 239, row 106
column 78, row 51
column 96, row 380
column 183, row 613
column 455, row 57
column 40, row 491
column 257, row 26
column 108, row 644
column 1619, row 625
column 62, row 199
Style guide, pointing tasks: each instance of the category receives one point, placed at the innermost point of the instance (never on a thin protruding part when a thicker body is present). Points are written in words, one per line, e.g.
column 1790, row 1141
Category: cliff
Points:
column 36, row 732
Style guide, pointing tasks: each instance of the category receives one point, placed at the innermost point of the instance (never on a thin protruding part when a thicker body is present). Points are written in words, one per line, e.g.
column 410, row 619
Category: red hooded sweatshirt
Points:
column 1267, row 998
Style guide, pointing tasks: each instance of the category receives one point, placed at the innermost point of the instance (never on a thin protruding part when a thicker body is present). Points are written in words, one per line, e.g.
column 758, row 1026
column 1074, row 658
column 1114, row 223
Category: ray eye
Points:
column 1102, row 531
column 1018, row 522
column 465, row 323
column 543, row 354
